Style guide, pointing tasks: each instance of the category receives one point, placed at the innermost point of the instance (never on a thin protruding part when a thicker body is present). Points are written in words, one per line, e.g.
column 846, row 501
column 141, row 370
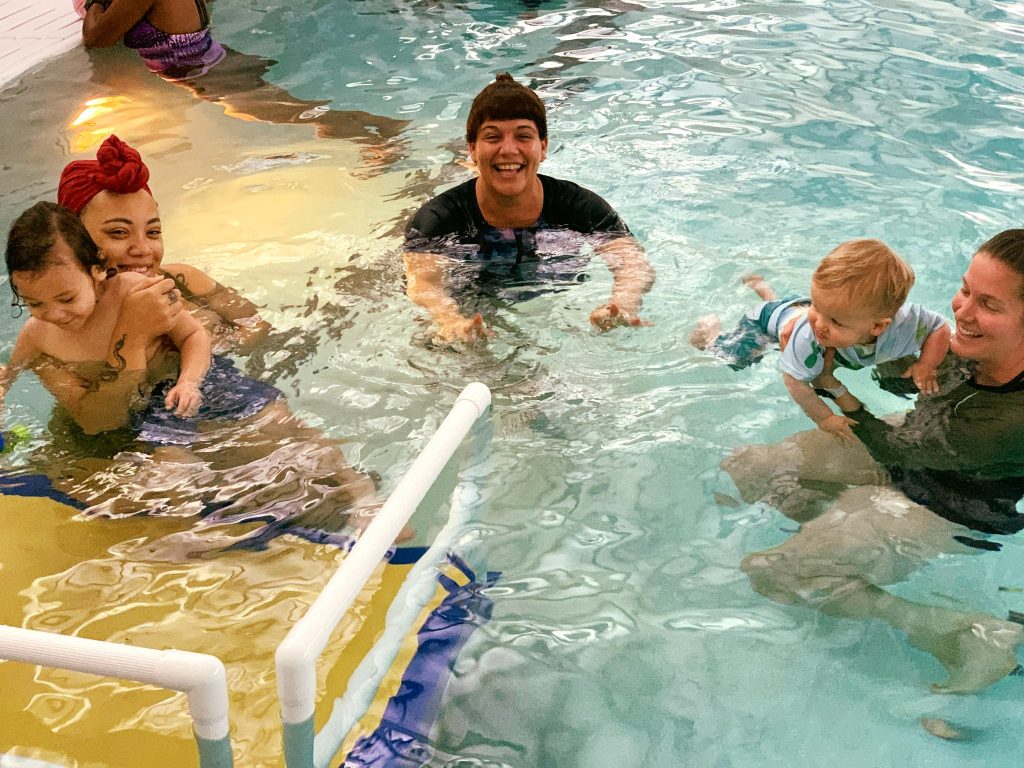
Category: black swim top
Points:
column 453, row 219
column 960, row 453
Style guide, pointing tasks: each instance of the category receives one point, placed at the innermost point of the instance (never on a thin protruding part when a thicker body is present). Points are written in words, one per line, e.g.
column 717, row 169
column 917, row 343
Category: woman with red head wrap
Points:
column 113, row 199
column 117, row 168
column 99, row 344
column 112, row 196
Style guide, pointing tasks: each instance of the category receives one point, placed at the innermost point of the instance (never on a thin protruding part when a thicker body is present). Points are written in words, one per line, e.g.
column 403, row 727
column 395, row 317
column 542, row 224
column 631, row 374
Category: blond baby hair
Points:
column 869, row 273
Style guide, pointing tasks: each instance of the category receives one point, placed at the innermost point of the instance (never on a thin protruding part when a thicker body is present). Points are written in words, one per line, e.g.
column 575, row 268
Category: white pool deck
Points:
column 32, row 31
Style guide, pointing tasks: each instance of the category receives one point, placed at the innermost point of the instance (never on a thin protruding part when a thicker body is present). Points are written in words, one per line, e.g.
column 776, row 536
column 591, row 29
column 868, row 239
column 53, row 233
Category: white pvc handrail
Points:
column 296, row 656
column 416, row 591
column 200, row 676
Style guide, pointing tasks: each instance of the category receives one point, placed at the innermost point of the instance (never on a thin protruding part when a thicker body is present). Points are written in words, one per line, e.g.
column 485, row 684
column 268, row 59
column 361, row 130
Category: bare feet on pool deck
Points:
column 706, row 331
column 760, row 286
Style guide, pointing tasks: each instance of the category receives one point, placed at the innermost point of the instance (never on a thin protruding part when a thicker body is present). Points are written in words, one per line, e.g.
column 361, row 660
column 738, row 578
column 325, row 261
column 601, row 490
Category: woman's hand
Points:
column 611, row 315
column 839, row 426
column 151, row 306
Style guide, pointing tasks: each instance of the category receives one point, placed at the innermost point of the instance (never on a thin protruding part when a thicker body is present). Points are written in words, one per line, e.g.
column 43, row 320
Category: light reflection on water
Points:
column 730, row 136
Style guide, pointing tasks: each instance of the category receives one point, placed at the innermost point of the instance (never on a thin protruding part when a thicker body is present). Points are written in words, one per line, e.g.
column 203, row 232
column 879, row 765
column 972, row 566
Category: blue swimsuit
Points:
column 227, row 394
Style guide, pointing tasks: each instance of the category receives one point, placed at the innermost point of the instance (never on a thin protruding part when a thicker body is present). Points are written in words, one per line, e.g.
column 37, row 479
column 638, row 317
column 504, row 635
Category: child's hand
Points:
column 839, row 426
column 924, row 378
column 184, row 398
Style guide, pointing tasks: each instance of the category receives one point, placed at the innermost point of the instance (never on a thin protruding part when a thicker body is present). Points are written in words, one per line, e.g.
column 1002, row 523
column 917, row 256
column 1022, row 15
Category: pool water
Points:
column 731, row 137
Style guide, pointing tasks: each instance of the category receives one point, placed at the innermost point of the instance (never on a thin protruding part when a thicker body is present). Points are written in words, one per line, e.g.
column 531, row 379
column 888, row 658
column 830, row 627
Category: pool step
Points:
column 32, row 31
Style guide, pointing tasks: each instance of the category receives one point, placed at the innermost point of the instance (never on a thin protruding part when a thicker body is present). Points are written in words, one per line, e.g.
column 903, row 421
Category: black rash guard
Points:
column 456, row 212
column 960, row 452
column 514, row 263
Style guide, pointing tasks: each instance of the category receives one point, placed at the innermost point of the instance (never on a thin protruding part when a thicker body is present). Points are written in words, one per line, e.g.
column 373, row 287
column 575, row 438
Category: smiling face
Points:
column 838, row 323
column 62, row 292
column 127, row 230
column 507, row 154
column 989, row 313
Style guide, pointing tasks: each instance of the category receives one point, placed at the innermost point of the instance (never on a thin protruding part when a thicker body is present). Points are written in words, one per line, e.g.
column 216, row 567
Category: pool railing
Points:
column 198, row 675
column 297, row 654
column 202, row 677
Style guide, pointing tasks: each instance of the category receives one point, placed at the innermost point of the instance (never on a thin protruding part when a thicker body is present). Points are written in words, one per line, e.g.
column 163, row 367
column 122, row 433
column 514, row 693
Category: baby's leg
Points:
column 709, row 327
column 760, row 286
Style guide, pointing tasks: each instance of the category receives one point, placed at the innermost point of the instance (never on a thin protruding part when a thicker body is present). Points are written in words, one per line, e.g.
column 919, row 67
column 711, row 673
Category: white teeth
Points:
column 508, row 166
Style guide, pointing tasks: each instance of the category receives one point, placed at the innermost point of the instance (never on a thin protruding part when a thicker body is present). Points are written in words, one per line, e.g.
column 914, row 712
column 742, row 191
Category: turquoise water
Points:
column 731, row 137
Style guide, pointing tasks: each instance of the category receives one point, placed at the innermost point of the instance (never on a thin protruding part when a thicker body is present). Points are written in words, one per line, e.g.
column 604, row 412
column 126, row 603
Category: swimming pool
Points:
column 730, row 136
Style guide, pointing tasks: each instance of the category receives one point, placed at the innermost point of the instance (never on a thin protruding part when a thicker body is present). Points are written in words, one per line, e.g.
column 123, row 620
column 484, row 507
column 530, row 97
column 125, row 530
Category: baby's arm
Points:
column 25, row 351
column 194, row 343
column 817, row 411
column 933, row 352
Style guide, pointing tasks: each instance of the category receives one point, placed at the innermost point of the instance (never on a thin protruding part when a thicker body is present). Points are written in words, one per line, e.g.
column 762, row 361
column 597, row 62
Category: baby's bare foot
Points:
column 706, row 331
column 760, row 286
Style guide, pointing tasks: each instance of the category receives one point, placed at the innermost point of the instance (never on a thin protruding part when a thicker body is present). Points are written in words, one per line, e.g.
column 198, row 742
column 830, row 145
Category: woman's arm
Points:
column 424, row 278
column 632, row 277
column 248, row 329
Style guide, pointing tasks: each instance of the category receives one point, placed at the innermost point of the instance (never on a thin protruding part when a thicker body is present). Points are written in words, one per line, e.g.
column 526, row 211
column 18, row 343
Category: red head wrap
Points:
column 117, row 168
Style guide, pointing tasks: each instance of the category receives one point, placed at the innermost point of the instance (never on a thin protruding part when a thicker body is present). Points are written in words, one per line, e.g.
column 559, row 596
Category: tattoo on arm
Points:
column 182, row 285
column 118, row 346
column 110, row 371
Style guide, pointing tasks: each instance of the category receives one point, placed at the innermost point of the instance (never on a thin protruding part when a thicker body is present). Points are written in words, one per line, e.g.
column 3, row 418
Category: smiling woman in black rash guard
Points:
column 502, row 218
column 956, row 467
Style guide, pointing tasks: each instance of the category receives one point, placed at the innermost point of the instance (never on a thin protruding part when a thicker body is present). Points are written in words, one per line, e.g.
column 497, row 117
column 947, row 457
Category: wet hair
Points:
column 869, row 273
column 34, row 234
column 1008, row 248
column 505, row 99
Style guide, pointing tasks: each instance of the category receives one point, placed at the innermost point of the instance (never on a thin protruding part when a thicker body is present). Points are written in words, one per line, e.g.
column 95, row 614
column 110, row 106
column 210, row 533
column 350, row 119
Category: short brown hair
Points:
column 1007, row 247
column 505, row 99
column 868, row 272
